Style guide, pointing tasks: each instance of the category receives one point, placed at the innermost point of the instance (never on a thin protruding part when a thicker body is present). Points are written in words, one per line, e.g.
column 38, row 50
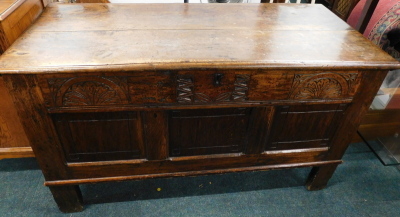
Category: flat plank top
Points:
column 4, row 4
column 7, row 6
column 110, row 37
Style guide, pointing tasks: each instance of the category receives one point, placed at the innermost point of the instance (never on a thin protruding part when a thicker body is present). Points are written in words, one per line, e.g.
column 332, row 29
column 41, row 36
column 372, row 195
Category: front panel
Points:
column 208, row 131
column 88, row 137
column 304, row 126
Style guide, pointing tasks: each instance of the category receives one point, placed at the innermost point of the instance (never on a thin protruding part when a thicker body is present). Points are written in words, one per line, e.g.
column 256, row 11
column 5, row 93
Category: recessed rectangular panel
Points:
column 206, row 131
column 100, row 136
column 307, row 126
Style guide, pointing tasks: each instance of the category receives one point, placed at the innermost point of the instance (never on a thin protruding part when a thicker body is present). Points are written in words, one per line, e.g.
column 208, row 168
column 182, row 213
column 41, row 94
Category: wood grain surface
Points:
column 15, row 17
column 12, row 134
column 87, row 37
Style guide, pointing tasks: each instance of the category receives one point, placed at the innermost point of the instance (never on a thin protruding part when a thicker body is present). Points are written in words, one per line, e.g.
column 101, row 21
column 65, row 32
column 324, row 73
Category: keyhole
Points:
column 218, row 79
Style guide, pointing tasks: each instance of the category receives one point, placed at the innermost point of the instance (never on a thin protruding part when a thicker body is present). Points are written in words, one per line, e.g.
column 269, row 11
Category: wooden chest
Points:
column 122, row 92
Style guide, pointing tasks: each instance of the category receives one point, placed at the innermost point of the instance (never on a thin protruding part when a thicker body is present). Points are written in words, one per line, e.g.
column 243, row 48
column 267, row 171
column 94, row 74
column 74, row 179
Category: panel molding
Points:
column 289, row 133
column 101, row 136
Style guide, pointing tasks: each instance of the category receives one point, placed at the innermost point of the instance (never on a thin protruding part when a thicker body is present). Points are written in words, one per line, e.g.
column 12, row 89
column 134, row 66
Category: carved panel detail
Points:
column 186, row 91
column 54, row 85
column 351, row 79
column 241, row 88
column 89, row 91
column 322, row 85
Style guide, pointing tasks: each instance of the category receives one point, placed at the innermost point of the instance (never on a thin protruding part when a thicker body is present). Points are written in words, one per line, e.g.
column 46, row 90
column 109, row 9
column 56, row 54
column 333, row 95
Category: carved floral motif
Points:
column 321, row 88
column 89, row 91
column 322, row 85
column 351, row 79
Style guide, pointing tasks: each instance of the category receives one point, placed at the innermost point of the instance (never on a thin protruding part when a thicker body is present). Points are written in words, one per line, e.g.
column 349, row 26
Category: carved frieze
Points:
column 322, row 85
column 186, row 92
column 89, row 91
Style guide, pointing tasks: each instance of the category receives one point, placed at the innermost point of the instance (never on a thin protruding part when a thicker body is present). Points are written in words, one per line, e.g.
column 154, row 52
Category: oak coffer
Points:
column 112, row 92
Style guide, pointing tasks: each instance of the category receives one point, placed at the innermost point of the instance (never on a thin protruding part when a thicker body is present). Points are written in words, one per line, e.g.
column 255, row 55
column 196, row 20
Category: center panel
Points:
column 208, row 131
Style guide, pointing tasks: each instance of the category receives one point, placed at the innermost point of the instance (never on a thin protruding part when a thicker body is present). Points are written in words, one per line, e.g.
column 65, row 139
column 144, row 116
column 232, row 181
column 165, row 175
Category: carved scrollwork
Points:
column 89, row 91
column 351, row 79
column 55, row 84
column 185, row 90
column 186, row 93
column 241, row 88
column 322, row 85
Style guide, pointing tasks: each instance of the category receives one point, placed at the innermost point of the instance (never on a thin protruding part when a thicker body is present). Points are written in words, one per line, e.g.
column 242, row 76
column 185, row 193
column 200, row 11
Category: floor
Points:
column 361, row 186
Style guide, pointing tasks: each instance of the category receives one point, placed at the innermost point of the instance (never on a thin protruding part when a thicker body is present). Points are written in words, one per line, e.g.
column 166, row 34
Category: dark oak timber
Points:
column 68, row 198
column 15, row 17
column 156, row 135
column 153, row 91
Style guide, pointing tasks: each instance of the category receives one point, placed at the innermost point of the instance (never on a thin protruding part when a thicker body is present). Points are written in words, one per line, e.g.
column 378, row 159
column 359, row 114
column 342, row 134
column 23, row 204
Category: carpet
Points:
column 361, row 186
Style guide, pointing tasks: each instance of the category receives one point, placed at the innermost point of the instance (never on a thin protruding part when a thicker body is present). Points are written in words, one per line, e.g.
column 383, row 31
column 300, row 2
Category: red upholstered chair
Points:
column 375, row 19
column 385, row 18
column 286, row 1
